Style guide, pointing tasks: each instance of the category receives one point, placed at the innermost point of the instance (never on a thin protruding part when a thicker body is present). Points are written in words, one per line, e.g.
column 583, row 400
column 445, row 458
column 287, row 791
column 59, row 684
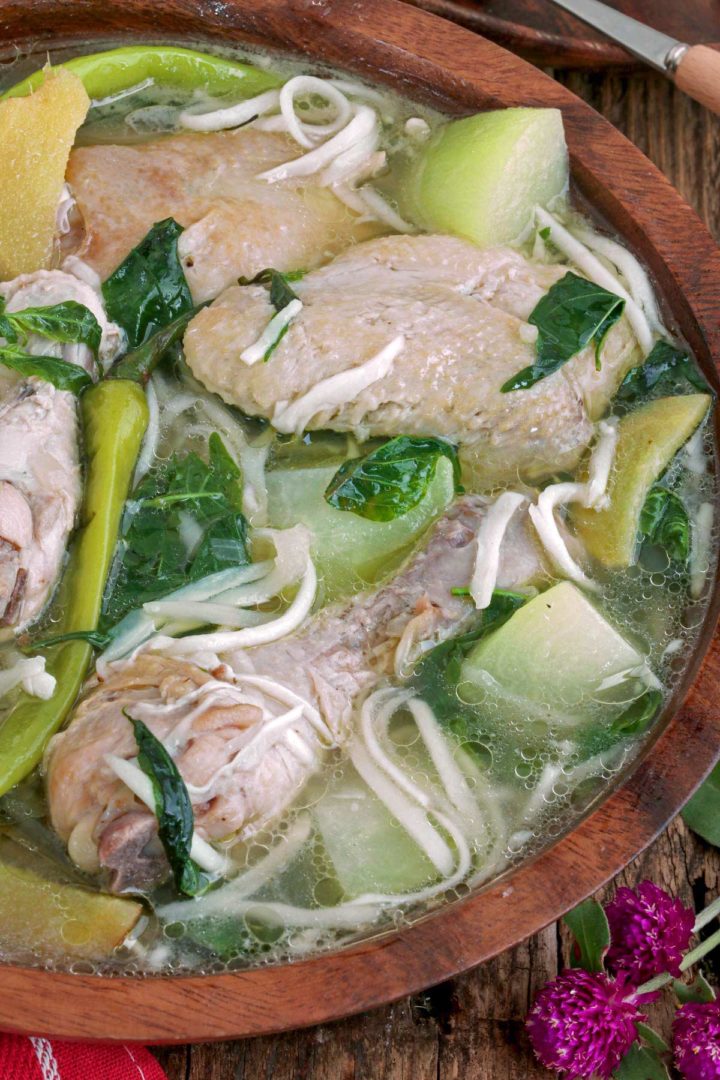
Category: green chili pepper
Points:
column 115, row 416
column 107, row 73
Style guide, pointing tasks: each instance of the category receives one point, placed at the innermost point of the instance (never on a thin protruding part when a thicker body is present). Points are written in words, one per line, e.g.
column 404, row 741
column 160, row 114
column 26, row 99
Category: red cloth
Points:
column 39, row 1059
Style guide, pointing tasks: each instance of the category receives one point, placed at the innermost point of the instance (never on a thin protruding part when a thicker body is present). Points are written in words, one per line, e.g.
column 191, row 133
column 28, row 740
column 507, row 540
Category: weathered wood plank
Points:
column 472, row 1028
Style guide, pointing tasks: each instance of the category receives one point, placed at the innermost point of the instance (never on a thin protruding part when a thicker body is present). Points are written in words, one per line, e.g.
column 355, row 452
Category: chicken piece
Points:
column 462, row 312
column 242, row 763
column 235, row 225
column 40, row 486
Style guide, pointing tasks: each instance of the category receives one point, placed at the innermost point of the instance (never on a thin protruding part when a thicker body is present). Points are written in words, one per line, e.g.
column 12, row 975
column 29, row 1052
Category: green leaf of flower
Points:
column 589, row 925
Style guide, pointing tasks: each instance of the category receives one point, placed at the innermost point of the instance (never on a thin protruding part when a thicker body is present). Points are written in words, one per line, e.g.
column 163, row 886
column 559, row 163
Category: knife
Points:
column 695, row 69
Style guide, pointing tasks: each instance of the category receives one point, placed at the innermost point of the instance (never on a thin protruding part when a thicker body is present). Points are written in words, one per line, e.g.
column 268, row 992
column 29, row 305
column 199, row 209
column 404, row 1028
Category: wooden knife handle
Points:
column 698, row 75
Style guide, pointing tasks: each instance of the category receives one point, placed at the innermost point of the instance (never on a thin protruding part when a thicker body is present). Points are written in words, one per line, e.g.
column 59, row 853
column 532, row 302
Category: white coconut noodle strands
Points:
column 489, row 540
column 636, row 277
column 591, row 266
column 272, row 333
column 233, row 116
column 590, row 494
column 455, row 784
column 222, row 901
column 336, row 390
column 226, row 640
column 134, row 778
column 28, row 672
column 362, row 127
column 152, row 435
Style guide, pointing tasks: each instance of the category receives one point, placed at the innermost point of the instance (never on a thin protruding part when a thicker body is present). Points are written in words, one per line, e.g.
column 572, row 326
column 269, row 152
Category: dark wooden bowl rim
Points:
column 438, row 62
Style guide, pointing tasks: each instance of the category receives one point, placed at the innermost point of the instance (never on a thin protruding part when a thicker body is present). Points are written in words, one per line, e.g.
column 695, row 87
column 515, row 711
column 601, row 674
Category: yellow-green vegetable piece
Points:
column 556, row 650
column 57, row 920
column 115, row 70
column 36, row 135
column 648, row 440
column 115, row 417
column 482, row 176
column 351, row 551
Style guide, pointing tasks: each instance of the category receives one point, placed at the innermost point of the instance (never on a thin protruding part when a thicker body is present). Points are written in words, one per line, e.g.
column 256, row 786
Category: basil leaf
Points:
column 641, row 1063
column 664, row 521
column 61, row 373
column 392, row 480
column 139, row 364
column 280, row 292
column 572, row 314
column 702, row 813
column 153, row 557
column 68, row 322
column 638, row 716
column 148, row 290
column 436, row 676
column 699, row 990
column 591, row 930
column 172, row 808
column 667, row 370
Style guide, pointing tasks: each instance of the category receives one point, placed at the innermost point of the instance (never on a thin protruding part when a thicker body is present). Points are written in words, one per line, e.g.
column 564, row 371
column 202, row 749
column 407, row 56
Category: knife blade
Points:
column 661, row 51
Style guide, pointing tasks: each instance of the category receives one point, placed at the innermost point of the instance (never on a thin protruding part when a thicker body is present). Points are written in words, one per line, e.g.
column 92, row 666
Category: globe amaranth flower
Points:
column 696, row 1041
column 649, row 932
column 582, row 1024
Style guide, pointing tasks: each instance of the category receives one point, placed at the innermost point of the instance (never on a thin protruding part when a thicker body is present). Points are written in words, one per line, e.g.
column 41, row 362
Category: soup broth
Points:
column 403, row 493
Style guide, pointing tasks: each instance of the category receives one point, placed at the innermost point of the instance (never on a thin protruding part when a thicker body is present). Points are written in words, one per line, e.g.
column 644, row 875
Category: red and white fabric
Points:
column 34, row 1058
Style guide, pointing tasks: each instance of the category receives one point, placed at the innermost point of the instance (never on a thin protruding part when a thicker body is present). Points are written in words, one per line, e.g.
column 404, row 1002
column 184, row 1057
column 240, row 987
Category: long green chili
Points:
column 115, row 416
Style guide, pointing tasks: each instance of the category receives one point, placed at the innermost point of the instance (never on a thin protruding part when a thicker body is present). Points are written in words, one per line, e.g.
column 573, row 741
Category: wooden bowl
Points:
column 426, row 57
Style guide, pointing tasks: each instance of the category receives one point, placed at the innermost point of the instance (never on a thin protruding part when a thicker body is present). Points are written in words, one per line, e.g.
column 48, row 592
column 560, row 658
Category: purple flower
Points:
column 696, row 1041
column 583, row 1024
column 649, row 931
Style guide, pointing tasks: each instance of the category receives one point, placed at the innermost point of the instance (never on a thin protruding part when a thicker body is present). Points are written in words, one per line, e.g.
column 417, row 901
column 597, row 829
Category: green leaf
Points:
column 436, row 676
column 148, row 290
column 667, row 370
column 641, row 1063
column 638, row 716
column 664, row 521
column 172, row 808
column 702, row 813
column 280, row 292
column 650, row 1037
column 153, row 556
column 699, row 990
column 68, row 322
column 139, row 364
column 589, row 925
column 61, row 373
column 392, row 480
column 572, row 314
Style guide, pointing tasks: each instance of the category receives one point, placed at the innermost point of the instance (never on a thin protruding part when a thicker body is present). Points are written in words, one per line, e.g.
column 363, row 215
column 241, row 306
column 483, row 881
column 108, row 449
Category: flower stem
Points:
column 700, row 951
column 707, row 915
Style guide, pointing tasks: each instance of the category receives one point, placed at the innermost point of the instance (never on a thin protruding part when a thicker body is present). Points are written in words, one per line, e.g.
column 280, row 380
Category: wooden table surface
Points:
column 472, row 1028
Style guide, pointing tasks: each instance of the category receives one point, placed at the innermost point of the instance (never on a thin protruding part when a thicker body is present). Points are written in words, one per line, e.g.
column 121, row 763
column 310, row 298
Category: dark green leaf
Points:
column 589, row 925
column 641, row 1063
column 61, row 373
column 699, row 990
column 139, row 364
column 664, row 521
column 702, row 813
column 436, row 676
column 68, row 322
column 390, row 481
column 93, row 637
column 148, row 290
column 172, row 808
column 571, row 315
column 280, row 292
column 650, row 1037
column 638, row 716
column 667, row 370
column 153, row 557
column 545, row 233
